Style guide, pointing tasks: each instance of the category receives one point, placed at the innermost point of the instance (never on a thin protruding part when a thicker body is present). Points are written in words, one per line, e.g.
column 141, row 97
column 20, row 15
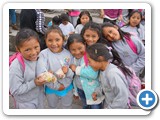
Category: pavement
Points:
column 77, row 104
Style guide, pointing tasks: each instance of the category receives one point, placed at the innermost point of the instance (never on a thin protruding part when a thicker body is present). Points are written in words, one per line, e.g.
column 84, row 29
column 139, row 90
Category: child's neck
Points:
column 104, row 65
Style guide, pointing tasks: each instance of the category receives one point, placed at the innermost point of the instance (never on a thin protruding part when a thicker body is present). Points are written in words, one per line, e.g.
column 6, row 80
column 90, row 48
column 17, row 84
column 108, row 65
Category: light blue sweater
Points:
column 89, row 82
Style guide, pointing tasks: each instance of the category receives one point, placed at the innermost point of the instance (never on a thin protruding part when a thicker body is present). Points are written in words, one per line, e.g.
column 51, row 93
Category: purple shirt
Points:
column 113, row 13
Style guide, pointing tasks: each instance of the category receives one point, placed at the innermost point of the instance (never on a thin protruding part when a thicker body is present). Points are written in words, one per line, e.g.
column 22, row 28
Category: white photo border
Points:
column 64, row 5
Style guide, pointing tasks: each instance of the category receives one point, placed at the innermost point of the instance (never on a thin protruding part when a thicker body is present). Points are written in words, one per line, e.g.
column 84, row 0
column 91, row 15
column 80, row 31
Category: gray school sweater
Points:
column 139, row 32
column 21, row 83
column 129, row 58
column 114, row 86
column 53, row 61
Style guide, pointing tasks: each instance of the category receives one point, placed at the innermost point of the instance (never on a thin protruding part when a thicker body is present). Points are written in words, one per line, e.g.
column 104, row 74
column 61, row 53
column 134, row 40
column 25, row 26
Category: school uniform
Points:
column 115, row 89
column 79, row 28
column 54, row 61
column 139, row 32
column 129, row 58
column 22, row 85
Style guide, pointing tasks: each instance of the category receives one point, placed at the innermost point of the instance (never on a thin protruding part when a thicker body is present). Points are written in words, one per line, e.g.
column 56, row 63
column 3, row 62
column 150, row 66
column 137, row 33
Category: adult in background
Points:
column 35, row 20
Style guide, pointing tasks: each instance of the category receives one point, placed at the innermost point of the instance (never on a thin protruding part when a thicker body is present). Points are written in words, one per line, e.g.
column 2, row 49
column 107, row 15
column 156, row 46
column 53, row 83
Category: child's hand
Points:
column 102, row 14
column 61, row 87
column 50, row 71
column 94, row 96
column 120, row 18
column 73, row 67
column 65, row 69
column 39, row 81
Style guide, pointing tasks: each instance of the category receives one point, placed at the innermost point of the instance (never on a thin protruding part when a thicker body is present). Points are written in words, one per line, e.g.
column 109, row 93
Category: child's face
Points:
column 84, row 19
column 77, row 49
column 90, row 37
column 111, row 33
column 64, row 22
column 94, row 64
column 30, row 49
column 135, row 19
column 54, row 42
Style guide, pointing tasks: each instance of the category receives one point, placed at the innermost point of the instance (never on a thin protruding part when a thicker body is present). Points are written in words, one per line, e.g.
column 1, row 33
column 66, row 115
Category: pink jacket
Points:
column 74, row 13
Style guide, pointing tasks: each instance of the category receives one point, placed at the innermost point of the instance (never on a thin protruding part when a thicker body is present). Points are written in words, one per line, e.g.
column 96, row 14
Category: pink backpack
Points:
column 134, row 85
column 85, row 59
column 19, row 57
column 21, row 60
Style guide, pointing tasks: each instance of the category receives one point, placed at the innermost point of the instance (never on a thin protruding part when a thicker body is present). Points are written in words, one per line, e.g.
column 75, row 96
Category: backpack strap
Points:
column 19, row 57
column 21, row 60
column 85, row 59
column 131, row 44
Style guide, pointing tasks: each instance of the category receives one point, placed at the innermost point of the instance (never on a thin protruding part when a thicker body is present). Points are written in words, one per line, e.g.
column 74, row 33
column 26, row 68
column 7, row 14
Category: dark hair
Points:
column 74, row 38
column 84, row 13
column 54, row 29
column 23, row 35
column 92, row 26
column 56, row 20
column 130, row 15
column 98, row 49
column 64, row 17
column 122, row 33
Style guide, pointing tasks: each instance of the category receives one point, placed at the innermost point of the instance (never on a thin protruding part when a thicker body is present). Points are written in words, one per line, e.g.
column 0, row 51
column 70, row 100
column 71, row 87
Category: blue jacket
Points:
column 89, row 81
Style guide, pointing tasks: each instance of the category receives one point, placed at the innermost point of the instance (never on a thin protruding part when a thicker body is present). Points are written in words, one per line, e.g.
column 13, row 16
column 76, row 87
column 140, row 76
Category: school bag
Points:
column 19, row 57
column 21, row 61
column 134, row 49
column 134, row 86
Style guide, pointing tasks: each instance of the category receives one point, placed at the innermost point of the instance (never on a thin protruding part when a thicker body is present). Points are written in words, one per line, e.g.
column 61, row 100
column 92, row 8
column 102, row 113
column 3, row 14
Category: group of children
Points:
column 90, row 64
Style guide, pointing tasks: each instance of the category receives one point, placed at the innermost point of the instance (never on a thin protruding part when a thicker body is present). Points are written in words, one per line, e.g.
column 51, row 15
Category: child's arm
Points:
column 68, row 75
column 87, row 72
column 97, row 92
column 119, row 89
column 17, row 84
column 140, row 62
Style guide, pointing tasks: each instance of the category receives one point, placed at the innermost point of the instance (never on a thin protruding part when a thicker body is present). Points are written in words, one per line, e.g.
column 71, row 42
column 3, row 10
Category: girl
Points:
column 112, row 79
column 56, row 59
column 84, row 17
column 85, row 79
column 118, row 40
column 91, row 33
column 73, row 15
column 134, row 26
column 23, row 84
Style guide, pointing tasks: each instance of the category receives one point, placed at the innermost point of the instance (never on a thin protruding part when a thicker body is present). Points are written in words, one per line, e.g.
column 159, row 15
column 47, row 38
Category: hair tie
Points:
column 109, row 48
column 95, row 51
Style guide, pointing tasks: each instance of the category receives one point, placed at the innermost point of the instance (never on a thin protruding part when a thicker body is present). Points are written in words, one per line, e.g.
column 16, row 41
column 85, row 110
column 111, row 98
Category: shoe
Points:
column 14, row 27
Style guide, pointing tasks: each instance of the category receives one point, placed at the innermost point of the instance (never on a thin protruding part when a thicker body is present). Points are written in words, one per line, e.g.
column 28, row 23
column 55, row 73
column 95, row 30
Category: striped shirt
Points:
column 40, row 22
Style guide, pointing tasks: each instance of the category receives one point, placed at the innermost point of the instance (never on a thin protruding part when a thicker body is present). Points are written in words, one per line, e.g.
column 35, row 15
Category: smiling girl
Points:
column 23, row 84
column 56, row 59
